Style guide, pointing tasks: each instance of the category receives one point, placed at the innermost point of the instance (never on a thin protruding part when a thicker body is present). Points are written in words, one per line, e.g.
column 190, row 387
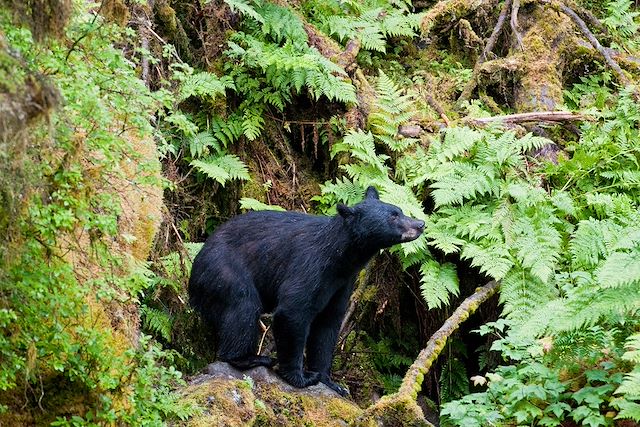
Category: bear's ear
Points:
column 371, row 193
column 344, row 210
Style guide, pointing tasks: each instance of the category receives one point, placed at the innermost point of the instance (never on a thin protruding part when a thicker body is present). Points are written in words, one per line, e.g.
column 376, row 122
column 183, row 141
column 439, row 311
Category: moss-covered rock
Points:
column 258, row 397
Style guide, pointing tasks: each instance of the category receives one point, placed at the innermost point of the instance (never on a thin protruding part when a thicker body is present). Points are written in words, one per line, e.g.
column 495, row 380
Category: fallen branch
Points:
column 536, row 116
column 401, row 408
column 412, row 382
column 434, row 104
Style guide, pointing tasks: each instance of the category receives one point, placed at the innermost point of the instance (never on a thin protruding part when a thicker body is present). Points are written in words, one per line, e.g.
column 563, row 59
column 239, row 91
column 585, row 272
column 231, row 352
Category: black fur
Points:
column 300, row 267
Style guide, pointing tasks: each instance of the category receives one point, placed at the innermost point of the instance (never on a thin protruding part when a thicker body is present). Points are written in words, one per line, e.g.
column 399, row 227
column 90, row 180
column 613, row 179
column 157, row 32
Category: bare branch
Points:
column 515, row 27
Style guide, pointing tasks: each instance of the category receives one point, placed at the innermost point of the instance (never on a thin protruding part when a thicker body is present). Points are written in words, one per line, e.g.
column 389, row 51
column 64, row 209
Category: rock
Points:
column 258, row 397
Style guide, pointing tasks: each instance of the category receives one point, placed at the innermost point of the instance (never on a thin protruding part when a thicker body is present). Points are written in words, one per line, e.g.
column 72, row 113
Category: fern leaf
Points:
column 222, row 168
column 620, row 268
column 204, row 85
column 438, row 281
column 157, row 321
column 243, row 7
column 587, row 245
column 252, row 122
column 494, row 261
column 199, row 144
column 248, row 203
column 457, row 141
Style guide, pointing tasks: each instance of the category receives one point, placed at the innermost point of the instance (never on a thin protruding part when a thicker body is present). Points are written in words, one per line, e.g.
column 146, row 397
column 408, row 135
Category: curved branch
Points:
column 412, row 382
column 514, row 24
column 401, row 408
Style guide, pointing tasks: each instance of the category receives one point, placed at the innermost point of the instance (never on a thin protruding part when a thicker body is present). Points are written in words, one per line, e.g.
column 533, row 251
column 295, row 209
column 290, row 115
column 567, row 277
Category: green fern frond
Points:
column 344, row 191
column 372, row 38
column 523, row 294
column 282, row 25
column 537, row 245
column 249, row 204
column 157, row 321
column 457, row 141
column 222, row 168
column 244, row 7
column 200, row 143
column 587, row 245
column 464, row 181
column 620, row 268
column 204, row 85
column 438, row 282
column 252, row 122
column 226, row 131
column 493, row 260
column 360, row 146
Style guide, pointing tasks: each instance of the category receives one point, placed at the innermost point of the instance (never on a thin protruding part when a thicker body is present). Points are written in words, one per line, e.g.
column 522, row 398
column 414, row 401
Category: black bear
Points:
column 301, row 268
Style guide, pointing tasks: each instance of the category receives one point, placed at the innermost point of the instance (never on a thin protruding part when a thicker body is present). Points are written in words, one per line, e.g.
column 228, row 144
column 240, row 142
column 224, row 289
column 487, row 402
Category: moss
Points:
column 234, row 402
column 223, row 402
column 302, row 408
column 115, row 11
column 543, row 45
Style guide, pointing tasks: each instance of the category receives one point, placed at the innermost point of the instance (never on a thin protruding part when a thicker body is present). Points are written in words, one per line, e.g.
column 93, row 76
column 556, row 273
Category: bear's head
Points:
column 379, row 224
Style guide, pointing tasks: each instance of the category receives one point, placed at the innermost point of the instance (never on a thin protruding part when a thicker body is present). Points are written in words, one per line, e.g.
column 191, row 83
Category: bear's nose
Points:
column 420, row 224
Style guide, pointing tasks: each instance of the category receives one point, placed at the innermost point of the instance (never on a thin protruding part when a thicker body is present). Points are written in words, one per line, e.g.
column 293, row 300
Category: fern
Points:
column 222, row 168
column 493, row 260
column 360, row 145
column 199, row 144
column 248, row 203
column 391, row 110
column 437, row 283
column 629, row 389
column 204, row 85
column 157, row 321
column 619, row 269
column 245, row 8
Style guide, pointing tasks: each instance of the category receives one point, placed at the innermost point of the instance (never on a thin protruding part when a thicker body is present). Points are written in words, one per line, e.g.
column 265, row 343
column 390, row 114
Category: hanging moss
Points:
column 44, row 17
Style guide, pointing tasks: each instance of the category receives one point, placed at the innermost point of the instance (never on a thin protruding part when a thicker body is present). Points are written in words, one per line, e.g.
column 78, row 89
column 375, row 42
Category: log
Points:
column 536, row 116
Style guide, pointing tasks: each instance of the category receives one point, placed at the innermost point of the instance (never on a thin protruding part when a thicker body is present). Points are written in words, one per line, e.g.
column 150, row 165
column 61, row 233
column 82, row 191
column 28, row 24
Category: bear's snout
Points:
column 413, row 230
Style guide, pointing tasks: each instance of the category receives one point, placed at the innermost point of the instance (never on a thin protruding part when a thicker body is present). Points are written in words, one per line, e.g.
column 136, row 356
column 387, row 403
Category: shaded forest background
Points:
column 130, row 129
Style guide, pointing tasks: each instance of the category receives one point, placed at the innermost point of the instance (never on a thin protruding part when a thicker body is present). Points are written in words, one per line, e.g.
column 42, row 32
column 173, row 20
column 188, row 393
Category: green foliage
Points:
column 372, row 22
column 621, row 21
column 61, row 268
column 222, row 168
column 570, row 279
column 248, row 203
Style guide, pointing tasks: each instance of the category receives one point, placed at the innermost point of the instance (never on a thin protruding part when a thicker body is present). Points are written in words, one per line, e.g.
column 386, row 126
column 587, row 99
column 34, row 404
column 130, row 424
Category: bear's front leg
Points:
column 323, row 336
column 290, row 329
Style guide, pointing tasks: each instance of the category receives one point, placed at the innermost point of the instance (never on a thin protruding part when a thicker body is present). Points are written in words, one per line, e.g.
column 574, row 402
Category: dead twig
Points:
column 434, row 104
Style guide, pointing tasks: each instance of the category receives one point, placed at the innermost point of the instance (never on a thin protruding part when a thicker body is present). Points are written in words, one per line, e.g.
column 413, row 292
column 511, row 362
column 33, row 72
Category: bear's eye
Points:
column 395, row 215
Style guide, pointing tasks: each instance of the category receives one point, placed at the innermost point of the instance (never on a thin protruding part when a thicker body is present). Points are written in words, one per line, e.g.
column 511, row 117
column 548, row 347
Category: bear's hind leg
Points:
column 238, row 335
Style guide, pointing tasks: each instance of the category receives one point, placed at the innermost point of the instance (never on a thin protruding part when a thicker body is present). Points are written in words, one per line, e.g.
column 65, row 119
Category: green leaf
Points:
column 438, row 281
